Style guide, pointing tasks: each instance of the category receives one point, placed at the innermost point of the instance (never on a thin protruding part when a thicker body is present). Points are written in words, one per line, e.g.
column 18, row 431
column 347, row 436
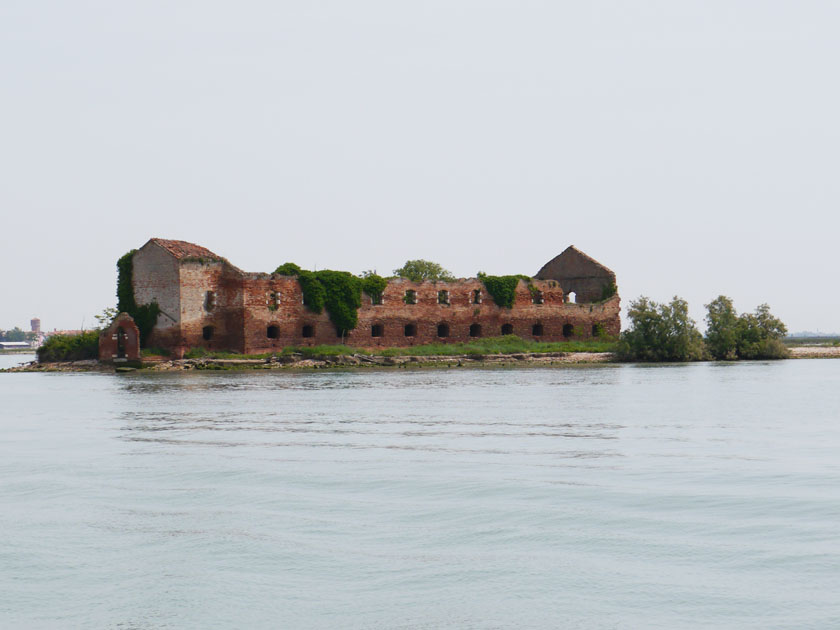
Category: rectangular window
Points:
column 410, row 296
column 209, row 300
column 443, row 297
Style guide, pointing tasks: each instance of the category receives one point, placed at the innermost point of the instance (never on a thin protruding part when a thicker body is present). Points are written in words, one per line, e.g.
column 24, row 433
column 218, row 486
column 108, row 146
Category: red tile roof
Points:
column 183, row 249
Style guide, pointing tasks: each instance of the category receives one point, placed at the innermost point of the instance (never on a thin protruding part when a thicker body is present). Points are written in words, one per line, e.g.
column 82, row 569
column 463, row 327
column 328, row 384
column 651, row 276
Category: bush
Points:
column 660, row 332
column 70, row 347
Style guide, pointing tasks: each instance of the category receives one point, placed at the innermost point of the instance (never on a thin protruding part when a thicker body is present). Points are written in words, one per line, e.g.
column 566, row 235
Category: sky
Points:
column 692, row 147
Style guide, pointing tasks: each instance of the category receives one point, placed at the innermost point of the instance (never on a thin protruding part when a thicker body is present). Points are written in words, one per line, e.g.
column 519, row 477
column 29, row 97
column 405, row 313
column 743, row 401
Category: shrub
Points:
column 70, row 347
column 660, row 332
column 374, row 285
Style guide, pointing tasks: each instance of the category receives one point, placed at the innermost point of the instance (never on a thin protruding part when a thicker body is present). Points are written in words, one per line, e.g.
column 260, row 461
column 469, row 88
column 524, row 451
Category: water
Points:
column 599, row 497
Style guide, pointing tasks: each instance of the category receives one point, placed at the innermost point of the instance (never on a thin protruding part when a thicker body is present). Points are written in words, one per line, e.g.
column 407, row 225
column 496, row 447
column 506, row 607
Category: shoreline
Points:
column 298, row 362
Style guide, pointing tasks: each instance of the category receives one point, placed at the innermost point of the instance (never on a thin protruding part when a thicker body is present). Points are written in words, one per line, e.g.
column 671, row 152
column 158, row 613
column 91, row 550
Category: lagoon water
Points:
column 689, row 496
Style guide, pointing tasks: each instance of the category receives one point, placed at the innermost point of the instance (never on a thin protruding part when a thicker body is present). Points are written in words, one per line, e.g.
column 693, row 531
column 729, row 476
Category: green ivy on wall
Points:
column 145, row 315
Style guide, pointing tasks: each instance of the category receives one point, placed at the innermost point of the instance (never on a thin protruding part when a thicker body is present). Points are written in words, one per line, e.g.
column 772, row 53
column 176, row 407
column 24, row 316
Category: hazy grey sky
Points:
column 690, row 146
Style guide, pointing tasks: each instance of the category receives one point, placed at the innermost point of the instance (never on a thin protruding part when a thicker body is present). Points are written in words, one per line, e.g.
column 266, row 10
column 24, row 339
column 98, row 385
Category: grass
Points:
column 508, row 344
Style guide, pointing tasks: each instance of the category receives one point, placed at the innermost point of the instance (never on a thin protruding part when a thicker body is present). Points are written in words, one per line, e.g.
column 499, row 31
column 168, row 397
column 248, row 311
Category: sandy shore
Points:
column 815, row 352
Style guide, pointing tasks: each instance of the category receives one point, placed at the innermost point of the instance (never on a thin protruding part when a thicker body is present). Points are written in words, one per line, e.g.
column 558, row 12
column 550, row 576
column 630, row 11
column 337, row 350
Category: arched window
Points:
column 507, row 329
column 537, row 330
column 410, row 330
column 308, row 331
column 475, row 330
column 207, row 333
column 571, row 297
column 443, row 330
column 272, row 332
column 568, row 330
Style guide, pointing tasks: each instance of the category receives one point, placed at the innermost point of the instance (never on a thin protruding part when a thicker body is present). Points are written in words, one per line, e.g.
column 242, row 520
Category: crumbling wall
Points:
column 211, row 305
column 155, row 278
column 577, row 273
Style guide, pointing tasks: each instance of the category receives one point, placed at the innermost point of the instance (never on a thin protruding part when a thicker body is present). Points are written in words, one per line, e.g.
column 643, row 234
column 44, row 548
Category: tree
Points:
column 419, row 270
column 760, row 335
column 660, row 332
column 748, row 336
column 722, row 328
column 107, row 315
column 15, row 334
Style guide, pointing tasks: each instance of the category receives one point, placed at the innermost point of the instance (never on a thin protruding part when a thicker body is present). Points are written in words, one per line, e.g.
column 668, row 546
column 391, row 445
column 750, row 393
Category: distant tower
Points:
column 35, row 323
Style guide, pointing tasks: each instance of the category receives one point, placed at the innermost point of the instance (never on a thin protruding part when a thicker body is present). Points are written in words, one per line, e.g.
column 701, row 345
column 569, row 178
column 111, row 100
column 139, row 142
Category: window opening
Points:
column 308, row 331
column 272, row 332
column 410, row 296
column 537, row 330
column 507, row 329
column 476, row 296
column 376, row 300
column 209, row 300
column 572, row 297
column 443, row 297
column 207, row 333
column 475, row 330
column 568, row 330
column 537, row 297
column 410, row 330
column 443, row 330
column 121, row 343
column 377, row 330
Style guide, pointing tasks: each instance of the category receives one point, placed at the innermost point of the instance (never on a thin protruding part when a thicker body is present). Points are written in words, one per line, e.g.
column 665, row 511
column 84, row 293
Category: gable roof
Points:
column 570, row 259
column 183, row 249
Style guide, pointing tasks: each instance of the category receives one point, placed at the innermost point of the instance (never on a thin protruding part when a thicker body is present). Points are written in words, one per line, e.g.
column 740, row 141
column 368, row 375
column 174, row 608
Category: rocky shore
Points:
column 297, row 361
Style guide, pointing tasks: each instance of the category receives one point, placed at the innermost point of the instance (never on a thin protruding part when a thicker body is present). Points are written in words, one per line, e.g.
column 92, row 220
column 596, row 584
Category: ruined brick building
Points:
column 207, row 302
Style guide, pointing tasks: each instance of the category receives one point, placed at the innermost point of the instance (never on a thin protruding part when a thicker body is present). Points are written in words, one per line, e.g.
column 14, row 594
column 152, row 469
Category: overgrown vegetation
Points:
column 70, row 347
column 145, row 315
column 420, row 270
column 502, row 288
column 608, row 290
column 748, row 336
column 660, row 332
column 340, row 292
column 374, row 285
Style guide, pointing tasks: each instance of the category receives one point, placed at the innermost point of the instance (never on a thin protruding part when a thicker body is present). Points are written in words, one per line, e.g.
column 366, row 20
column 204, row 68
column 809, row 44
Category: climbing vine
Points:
column 502, row 288
column 340, row 292
column 145, row 315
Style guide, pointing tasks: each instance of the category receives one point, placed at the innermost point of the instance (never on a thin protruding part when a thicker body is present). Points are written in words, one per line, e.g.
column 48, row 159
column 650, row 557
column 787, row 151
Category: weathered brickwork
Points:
column 207, row 302
column 120, row 341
